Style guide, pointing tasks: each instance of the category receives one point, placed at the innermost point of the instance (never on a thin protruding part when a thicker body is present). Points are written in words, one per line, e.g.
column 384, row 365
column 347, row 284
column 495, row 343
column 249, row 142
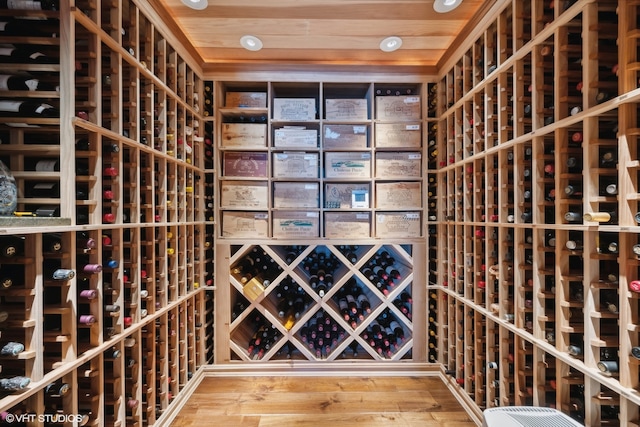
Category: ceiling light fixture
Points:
column 196, row 4
column 390, row 44
column 444, row 6
column 251, row 43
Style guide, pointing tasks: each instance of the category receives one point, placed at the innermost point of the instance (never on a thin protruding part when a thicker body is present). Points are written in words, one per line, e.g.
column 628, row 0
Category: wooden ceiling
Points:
column 327, row 32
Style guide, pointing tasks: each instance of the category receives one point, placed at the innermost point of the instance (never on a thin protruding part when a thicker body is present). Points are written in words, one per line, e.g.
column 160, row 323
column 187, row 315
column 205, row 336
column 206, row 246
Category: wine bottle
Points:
column 364, row 303
column 27, row 108
column 608, row 159
column 113, row 353
column 25, row 82
column 87, row 319
column 602, row 97
column 550, row 239
column 29, row 26
column 89, row 293
column 85, row 241
column 572, row 217
column 608, row 366
column 45, row 190
column 57, row 389
column 574, row 350
column 51, row 242
column 26, row 54
column 573, row 190
column 601, row 217
column 574, row 165
column 111, row 263
column 63, row 274
column 549, row 170
column 611, row 189
column 14, row 383
column 12, row 246
column 92, row 268
column 612, row 247
column 573, row 245
column 30, row 4
column 12, row 348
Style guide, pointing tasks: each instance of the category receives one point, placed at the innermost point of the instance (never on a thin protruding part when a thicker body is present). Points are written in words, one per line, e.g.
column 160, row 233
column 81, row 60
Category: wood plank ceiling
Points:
column 327, row 32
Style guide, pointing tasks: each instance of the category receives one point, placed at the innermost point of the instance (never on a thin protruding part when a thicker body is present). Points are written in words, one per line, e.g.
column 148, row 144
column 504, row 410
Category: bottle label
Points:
column 44, row 186
column 10, row 106
column 32, row 84
column 36, row 55
column 4, row 78
column 46, row 166
column 42, row 107
column 24, row 5
column 3, row 26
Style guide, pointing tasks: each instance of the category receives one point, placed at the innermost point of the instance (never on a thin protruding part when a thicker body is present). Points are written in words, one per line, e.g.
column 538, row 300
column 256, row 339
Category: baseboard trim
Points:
column 181, row 399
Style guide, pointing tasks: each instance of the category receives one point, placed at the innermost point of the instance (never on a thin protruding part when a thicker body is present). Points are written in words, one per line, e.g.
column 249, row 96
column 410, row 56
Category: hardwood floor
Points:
column 301, row 401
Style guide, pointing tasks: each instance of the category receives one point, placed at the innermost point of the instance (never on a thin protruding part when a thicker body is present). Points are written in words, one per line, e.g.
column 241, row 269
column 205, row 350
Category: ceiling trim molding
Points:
column 472, row 30
column 171, row 30
column 314, row 72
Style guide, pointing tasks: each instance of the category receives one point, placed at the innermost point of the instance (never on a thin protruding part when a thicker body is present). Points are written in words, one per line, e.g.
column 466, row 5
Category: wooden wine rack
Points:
column 534, row 115
column 131, row 179
column 248, row 124
column 232, row 343
column 538, row 115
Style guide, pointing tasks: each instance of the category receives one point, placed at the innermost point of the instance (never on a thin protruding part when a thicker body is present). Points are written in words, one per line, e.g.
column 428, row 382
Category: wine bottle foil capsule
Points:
column 12, row 348
column 608, row 366
column 574, row 350
column 634, row 286
column 63, row 274
column 92, row 268
column 597, row 216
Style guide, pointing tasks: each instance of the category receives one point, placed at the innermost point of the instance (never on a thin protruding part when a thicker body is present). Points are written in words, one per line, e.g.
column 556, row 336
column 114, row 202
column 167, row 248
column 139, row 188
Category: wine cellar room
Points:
column 200, row 197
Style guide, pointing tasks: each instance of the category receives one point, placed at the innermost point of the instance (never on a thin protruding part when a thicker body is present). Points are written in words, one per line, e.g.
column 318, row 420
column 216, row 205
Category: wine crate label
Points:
column 398, row 108
column 296, row 194
column 347, row 165
column 340, row 196
column 295, row 165
column 295, row 136
column 245, row 224
column 245, row 164
column 300, row 109
column 406, row 135
column 398, row 195
column 246, row 99
column 344, row 136
column 346, row 109
column 351, row 225
column 244, row 195
column 398, row 224
column 398, row 165
column 294, row 224
column 244, row 135
column 253, row 289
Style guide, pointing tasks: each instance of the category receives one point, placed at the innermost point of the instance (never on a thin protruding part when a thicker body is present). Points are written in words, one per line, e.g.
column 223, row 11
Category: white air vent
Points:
column 527, row 416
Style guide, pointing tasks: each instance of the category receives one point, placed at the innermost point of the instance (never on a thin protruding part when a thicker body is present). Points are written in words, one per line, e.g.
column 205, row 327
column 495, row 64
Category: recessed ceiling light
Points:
column 443, row 6
column 196, row 4
column 251, row 43
column 390, row 44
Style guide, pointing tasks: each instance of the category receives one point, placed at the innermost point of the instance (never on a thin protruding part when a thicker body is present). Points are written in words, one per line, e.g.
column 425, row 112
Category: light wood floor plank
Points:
column 300, row 401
